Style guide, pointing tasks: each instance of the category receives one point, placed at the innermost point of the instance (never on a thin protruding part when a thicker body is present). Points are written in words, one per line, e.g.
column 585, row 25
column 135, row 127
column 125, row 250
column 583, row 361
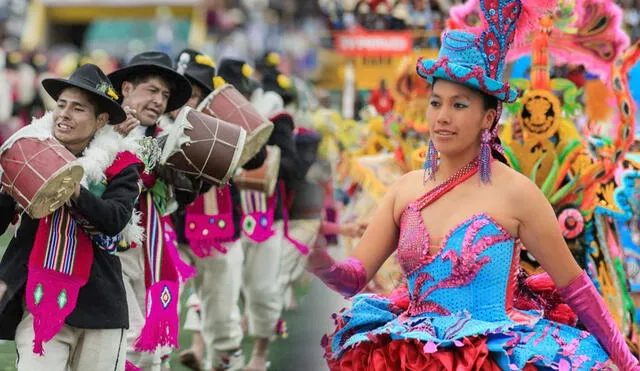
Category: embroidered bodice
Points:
column 478, row 259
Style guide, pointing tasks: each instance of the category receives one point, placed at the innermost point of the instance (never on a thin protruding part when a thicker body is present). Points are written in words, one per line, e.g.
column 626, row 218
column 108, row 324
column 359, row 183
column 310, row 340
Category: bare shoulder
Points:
column 406, row 189
column 516, row 187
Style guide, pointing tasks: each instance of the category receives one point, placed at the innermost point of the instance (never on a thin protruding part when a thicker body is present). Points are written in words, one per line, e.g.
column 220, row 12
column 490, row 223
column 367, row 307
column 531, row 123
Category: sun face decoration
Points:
column 540, row 111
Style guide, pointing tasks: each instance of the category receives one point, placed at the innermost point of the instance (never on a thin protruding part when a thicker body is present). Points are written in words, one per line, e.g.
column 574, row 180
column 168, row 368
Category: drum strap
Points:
column 256, row 201
column 304, row 249
column 162, row 281
column 59, row 265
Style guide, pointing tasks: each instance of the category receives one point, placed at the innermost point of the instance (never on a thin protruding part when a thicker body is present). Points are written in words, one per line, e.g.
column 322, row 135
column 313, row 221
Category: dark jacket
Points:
column 102, row 302
column 290, row 164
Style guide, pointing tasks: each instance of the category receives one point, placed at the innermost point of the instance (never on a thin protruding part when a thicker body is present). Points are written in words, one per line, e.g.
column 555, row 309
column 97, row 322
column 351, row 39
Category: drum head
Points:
column 175, row 136
column 229, row 105
column 56, row 191
column 255, row 141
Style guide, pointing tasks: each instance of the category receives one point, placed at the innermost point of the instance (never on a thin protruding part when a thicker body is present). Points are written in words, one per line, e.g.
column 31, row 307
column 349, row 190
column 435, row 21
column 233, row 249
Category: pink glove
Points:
column 328, row 228
column 347, row 277
column 584, row 299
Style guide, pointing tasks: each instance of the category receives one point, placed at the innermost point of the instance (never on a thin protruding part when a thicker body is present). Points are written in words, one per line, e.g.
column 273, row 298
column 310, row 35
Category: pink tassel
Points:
column 201, row 248
column 185, row 271
column 206, row 248
column 131, row 367
column 51, row 297
column 304, row 249
column 161, row 325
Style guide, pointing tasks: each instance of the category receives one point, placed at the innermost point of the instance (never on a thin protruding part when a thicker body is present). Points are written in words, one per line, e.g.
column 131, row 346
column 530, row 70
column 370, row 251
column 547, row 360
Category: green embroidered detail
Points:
column 38, row 294
column 249, row 224
column 161, row 196
column 97, row 189
column 62, row 298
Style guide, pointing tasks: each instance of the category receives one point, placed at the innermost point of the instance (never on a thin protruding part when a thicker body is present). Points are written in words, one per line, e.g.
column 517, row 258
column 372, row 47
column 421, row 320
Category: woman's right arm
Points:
column 381, row 236
column 377, row 244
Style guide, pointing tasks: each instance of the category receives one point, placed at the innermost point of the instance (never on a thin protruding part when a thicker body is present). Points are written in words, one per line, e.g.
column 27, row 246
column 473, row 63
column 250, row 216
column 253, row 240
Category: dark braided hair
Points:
column 491, row 102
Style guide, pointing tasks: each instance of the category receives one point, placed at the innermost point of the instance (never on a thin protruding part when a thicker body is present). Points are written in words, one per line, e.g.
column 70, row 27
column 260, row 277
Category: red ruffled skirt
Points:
column 386, row 354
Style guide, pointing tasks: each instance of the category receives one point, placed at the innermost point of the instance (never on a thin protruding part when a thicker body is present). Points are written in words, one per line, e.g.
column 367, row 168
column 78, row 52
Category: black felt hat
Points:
column 156, row 63
column 238, row 73
column 198, row 68
column 279, row 83
column 269, row 60
column 91, row 79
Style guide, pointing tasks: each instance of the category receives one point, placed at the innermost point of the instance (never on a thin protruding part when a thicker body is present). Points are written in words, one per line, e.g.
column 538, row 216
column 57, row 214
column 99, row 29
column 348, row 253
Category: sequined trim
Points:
column 409, row 247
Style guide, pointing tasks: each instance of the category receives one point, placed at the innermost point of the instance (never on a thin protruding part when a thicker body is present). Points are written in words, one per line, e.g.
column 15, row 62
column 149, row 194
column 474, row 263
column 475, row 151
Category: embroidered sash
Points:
column 162, row 281
column 59, row 265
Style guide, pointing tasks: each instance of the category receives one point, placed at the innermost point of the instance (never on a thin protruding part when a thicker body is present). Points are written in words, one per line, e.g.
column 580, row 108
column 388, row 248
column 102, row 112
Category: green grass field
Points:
column 300, row 351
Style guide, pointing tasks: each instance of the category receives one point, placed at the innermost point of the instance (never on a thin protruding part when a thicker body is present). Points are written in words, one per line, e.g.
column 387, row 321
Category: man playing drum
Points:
column 150, row 87
column 63, row 265
column 217, row 328
column 262, row 293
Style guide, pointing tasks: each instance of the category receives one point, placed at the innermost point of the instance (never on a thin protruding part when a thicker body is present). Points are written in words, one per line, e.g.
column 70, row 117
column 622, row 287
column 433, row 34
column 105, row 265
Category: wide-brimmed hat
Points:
column 279, row 83
column 238, row 73
column 270, row 59
column 156, row 63
column 477, row 60
column 198, row 68
column 91, row 79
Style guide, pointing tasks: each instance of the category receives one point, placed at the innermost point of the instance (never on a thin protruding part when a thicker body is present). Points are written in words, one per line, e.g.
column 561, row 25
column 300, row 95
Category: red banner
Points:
column 373, row 43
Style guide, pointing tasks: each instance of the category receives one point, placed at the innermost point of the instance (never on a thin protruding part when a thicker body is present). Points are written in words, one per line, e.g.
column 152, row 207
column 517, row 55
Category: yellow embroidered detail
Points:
column 218, row 82
column 284, row 81
column 205, row 60
column 247, row 70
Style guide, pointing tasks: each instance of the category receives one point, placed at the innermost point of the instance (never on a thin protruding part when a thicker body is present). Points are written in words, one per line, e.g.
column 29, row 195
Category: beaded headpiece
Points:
column 474, row 60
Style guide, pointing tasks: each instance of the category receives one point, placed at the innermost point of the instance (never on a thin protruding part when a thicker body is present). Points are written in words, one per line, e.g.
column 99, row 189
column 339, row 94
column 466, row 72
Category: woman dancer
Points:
column 458, row 227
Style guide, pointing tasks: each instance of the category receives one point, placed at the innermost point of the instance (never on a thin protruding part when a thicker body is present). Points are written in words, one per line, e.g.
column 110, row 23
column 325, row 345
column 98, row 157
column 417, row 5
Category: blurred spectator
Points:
column 381, row 99
column 631, row 10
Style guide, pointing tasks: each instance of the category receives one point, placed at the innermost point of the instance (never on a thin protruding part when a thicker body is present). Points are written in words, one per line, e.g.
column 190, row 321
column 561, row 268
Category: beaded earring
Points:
column 430, row 163
column 485, row 156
